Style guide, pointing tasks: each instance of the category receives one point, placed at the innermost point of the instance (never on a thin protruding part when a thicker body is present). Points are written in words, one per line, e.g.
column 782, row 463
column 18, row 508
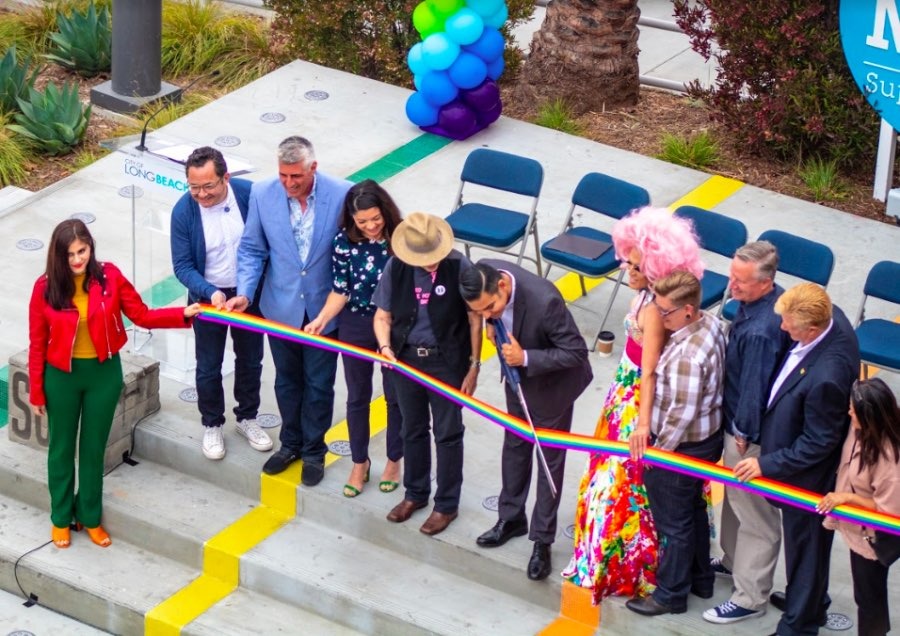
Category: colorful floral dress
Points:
column 615, row 541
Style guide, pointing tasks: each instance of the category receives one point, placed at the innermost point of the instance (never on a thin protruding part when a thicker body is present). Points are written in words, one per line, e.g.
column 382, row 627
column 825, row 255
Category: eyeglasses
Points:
column 206, row 187
column 665, row 312
column 629, row 265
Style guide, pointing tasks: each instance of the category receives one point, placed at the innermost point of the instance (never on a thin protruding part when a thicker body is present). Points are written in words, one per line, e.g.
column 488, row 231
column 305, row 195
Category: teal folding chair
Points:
column 879, row 339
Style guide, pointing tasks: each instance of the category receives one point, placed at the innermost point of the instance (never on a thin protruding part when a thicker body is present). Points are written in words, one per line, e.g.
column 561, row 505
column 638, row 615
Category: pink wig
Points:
column 667, row 243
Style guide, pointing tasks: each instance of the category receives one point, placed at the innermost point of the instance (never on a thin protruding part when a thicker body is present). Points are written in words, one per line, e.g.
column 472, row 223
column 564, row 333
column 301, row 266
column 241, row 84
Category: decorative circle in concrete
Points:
column 268, row 420
column 188, row 395
column 29, row 245
column 340, row 447
column 272, row 118
column 131, row 191
column 491, row 503
column 838, row 622
column 85, row 217
column 316, row 96
column 228, row 141
column 570, row 531
column 21, row 632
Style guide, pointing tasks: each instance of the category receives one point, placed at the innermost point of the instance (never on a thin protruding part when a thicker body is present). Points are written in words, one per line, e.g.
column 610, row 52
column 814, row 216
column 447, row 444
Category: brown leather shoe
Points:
column 404, row 510
column 437, row 522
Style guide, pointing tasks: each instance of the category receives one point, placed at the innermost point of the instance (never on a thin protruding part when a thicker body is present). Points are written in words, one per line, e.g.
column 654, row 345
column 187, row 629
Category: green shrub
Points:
column 15, row 153
column 365, row 37
column 198, row 37
column 15, row 80
column 698, row 151
column 783, row 85
column 12, row 31
column 823, row 180
column 54, row 119
column 557, row 115
column 83, row 42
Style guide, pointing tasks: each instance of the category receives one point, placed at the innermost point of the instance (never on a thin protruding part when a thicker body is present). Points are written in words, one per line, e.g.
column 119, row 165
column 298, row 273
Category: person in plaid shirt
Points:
column 686, row 419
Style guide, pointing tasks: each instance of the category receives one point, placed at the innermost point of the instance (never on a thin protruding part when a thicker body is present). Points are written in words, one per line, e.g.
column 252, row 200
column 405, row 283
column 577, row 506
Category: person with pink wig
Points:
column 615, row 541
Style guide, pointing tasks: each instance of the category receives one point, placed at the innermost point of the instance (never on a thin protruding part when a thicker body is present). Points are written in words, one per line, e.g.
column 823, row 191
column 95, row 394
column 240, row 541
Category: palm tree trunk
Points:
column 585, row 53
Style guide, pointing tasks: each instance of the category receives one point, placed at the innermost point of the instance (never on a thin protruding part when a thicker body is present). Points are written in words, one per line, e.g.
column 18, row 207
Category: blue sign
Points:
column 870, row 35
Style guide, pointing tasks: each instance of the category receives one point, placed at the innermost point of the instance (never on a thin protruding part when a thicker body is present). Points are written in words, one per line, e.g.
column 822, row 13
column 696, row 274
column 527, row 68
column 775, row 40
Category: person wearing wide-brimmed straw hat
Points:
column 423, row 321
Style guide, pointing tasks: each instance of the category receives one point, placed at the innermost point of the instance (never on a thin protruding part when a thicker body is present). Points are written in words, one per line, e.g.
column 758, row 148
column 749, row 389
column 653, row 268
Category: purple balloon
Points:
column 489, row 46
column 457, row 119
column 420, row 112
column 489, row 116
column 483, row 97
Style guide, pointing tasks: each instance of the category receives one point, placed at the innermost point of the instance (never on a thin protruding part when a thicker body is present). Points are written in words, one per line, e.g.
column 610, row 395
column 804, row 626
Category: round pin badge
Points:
column 440, row 290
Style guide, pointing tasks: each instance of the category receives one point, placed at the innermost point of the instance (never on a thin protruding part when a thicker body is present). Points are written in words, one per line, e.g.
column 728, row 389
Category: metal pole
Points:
column 137, row 47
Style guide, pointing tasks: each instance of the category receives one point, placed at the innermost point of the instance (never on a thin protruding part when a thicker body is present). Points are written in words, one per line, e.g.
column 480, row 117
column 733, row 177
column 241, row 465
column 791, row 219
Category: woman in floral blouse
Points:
column 361, row 249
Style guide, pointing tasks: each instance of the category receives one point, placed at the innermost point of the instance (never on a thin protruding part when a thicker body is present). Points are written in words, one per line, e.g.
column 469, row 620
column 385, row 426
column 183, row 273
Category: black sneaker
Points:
column 312, row 473
column 279, row 462
column 718, row 567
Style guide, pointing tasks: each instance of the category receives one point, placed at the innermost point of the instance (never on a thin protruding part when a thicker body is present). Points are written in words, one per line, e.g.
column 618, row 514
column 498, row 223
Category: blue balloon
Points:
column 420, row 112
column 439, row 51
column 489, row 46
column 438, row 89
column 468, row 71
column 464, row 27
column 495, row 68
column 417, row 81
column 485, row 8
column 416, row 60
column 498, row 18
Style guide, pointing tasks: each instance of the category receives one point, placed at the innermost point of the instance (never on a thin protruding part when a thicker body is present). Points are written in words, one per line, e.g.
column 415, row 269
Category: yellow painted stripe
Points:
column 222, row 553
column 576, row 613
column 710, row 193
column 167, row 618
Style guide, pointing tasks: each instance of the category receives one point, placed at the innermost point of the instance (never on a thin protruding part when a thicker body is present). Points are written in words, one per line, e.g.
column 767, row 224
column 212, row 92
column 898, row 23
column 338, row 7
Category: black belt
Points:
column 422, row 351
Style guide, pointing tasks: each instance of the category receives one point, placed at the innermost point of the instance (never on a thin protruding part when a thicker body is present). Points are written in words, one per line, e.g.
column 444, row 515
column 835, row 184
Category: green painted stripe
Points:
column 163, row 293
column 400, row 159
column 4, row 396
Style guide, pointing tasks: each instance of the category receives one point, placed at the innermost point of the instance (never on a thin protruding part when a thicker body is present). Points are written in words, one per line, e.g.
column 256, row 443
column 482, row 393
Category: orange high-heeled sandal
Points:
column 98, row 535
column 61, row 537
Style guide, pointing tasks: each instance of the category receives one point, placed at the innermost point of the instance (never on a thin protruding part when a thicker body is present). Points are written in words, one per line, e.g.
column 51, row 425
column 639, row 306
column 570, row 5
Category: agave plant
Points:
column 83, row 42
column 15, row 80
column 54, row 120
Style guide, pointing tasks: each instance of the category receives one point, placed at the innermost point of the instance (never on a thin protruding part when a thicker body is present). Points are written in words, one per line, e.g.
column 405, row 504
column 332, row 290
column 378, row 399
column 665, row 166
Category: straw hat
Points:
column 422, row 239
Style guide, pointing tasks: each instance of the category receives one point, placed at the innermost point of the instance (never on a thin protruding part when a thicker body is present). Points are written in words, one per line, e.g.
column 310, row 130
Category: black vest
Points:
column 448, row 313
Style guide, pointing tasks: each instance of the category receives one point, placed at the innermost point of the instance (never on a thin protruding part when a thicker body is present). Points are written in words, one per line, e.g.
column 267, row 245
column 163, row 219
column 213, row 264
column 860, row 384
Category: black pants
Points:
column 807, row 559
column 446, row 420
column 870, row 592
column 516, row 467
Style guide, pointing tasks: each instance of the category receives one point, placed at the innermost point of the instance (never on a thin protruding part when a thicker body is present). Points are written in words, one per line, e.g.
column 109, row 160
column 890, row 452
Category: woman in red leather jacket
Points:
column 76, row 332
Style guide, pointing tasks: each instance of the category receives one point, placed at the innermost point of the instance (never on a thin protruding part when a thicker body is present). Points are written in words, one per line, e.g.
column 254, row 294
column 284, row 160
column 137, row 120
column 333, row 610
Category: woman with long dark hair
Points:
column 75, row 334
column 361, row 249
column 869, row 477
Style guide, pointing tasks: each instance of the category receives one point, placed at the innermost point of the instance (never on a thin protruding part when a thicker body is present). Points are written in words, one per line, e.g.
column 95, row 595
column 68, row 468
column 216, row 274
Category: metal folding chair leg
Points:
column 609, row 304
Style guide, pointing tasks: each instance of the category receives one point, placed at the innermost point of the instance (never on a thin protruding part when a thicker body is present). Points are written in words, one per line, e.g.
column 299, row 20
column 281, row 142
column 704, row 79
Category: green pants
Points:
column 89, row 394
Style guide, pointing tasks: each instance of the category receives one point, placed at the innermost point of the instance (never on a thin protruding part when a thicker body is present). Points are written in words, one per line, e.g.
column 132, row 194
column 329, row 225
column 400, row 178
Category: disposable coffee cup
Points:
column 605, row 343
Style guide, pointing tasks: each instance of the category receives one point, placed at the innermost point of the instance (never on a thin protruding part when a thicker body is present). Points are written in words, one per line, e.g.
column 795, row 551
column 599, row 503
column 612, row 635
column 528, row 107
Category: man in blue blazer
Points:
column 803, row 430
column 290, row 228
column 206, row 227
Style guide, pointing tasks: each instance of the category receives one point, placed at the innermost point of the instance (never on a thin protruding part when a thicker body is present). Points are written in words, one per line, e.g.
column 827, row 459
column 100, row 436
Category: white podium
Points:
column 152, row 181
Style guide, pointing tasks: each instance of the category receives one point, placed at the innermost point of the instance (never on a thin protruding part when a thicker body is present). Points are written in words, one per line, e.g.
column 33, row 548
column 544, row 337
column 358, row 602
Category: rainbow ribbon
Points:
column 769, row 488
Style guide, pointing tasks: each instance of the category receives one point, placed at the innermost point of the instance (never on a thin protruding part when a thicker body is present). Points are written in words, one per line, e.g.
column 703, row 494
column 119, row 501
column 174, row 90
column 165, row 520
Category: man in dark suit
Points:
column 206, row 228
column 551, row 357
column 803, row 429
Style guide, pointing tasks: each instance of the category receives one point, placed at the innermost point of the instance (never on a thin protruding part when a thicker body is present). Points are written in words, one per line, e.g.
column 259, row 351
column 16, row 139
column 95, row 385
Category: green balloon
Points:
column 445, row 8
column 425, row 21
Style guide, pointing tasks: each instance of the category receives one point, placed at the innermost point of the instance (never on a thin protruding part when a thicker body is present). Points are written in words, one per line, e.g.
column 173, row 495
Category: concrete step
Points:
column 12, row 196
column 319, row 568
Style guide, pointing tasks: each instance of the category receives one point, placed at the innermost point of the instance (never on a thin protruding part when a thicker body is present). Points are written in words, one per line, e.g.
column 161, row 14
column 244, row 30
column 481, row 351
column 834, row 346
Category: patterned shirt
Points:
column 688, row 403
column 356, row 269
column 303, row 222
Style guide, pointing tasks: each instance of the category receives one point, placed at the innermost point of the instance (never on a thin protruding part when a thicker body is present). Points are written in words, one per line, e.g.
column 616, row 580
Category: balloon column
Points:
column 456, row 65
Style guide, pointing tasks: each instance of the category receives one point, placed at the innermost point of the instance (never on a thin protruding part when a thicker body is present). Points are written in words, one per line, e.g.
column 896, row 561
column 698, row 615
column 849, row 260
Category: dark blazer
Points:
column 558, row 369
column 805, row 426
column 188, row 243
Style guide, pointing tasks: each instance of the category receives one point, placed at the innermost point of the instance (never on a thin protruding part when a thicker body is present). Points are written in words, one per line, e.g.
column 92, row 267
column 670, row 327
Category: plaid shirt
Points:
column 687, row 406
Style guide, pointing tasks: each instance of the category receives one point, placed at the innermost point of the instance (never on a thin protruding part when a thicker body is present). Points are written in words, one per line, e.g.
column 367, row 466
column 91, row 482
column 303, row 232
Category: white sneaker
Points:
column 213, row 442
column 257, row 437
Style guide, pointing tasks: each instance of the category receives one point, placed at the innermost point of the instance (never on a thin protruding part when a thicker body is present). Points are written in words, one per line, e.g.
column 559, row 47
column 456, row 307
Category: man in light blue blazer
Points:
column 291, row 225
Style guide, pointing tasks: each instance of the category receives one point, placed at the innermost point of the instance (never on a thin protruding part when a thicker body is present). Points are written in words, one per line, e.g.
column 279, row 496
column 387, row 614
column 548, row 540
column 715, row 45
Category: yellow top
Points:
column 83, row 347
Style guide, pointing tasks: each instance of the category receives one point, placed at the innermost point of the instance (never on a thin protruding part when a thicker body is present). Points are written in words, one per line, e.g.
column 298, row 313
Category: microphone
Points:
column 142, row 146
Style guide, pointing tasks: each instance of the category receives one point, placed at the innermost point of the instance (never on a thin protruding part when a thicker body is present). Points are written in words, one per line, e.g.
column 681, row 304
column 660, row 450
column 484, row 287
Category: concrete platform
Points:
column 338, row 566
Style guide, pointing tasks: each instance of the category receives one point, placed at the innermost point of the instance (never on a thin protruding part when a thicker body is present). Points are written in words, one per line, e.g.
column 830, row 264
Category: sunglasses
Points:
column 629, row 265
column 665, row 312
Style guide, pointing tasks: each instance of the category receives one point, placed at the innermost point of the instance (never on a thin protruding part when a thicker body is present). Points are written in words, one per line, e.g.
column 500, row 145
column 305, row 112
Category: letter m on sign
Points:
column 885, row 11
